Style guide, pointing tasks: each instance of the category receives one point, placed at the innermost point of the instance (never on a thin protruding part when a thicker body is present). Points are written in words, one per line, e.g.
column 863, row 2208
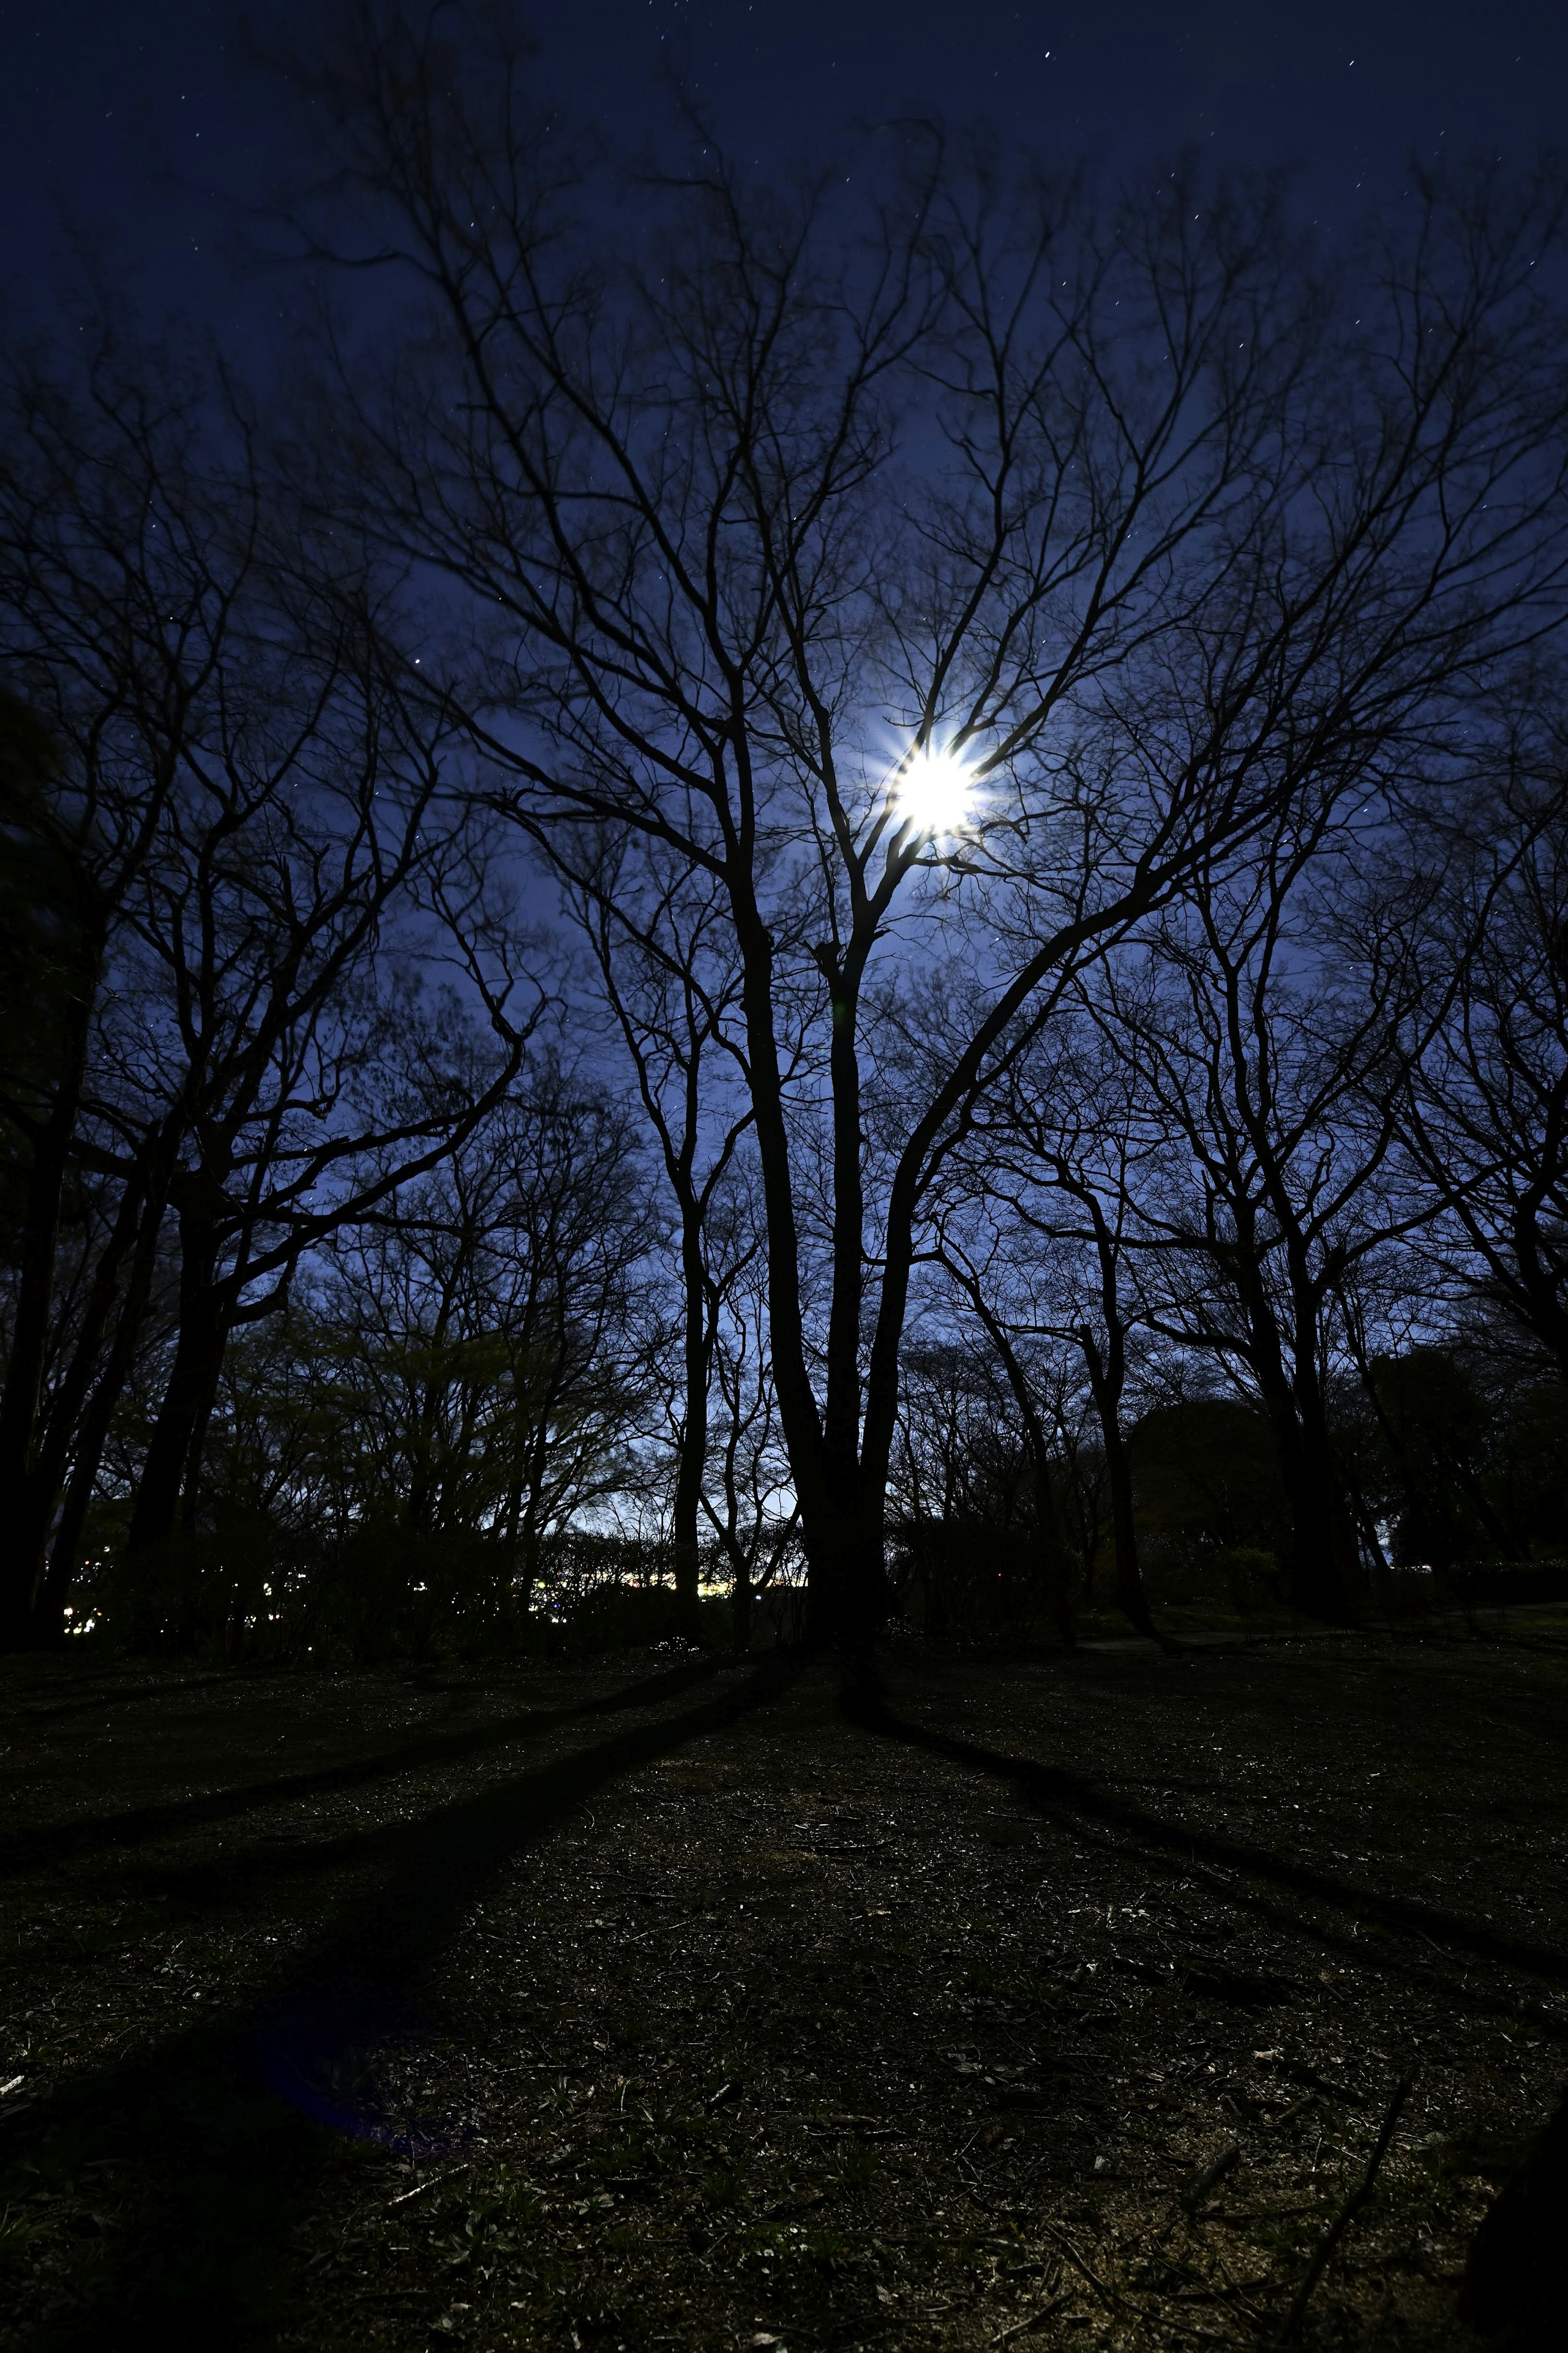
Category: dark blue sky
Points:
column 122, row 111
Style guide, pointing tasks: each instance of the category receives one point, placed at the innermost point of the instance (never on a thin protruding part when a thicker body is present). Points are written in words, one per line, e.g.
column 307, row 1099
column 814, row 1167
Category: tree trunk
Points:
column 1325, row 1572
column 692, row 1454
column 1130, row 1596
column 22, row 1398
column 1107, row 1379
column 742, row 1600
column 92, row 1432
column 1323, row 1565
column 1480, row 1503
column 797, row 1405
column 1048, row 1518
column 38, row 1493
column 192, row 1382
column 847, row 1597
column 1319, row 1577
column 1052, row 1552
column 847, row 1585
column 190, row 1490
column 528, row 1553
column 1397, row 1451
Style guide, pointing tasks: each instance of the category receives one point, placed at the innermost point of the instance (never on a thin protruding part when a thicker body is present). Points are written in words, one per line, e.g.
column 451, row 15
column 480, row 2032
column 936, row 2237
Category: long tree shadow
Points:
column 134, row 1697
column 224, row 2124
column 1053, row 1790
column 131, row 1826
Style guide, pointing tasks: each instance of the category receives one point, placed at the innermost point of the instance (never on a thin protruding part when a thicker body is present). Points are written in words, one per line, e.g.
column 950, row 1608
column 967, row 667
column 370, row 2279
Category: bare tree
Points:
column 128, row 542
column 1483, row 1111
column 296, row 840
column 1007, row 1307
column 238, row 807
column 1038, row 1203
column 667, row 967
column 992, row 1493
column 745, row 1493
column 483, row 1343
column 1259, row 1028
column 1183, row 534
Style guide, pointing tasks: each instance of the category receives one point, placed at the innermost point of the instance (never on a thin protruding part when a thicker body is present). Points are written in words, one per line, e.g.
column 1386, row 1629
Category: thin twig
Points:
column 1345, row 2217
column 421, row 2187
column 1030, row 2320
column 1193, row 2193
column 1078, row 2263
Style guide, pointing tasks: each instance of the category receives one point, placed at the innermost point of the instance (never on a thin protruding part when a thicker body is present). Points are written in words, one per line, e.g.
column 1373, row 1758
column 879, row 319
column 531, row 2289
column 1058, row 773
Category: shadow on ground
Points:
column 230, row 2125
column 132, row 1825
column 1052, row 1792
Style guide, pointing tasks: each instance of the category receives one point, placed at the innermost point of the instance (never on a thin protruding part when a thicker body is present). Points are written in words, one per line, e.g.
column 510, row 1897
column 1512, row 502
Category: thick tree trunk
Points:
column 191, row 1486
column 93, row 1431
column 1322, row 1562
column 36, row 1503
column 1051, row 1550
column 846, row 1586
column 742, row 1608
column 22, row 1396
column 847, row 1595
column 797, row 1405
column 1320, row 1576
column 1325, row 1571
column 187, row 1399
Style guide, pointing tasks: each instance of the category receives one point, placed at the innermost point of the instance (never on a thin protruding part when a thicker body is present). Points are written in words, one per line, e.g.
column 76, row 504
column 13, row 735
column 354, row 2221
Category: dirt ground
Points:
column 1057, row 2002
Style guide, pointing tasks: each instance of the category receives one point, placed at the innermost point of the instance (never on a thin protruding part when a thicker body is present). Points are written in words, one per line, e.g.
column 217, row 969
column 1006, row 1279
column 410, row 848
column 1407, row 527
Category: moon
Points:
column 933, row 792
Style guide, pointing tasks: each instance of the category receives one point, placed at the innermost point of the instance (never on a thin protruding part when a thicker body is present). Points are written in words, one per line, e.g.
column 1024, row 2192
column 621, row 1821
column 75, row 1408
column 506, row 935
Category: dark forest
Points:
column 785, row 956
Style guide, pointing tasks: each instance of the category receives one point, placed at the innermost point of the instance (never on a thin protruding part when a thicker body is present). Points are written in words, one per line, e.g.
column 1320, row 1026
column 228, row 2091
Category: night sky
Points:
column 122, row 116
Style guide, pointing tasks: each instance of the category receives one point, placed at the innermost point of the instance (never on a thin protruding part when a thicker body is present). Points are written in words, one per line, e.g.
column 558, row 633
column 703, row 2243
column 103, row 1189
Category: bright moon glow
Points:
column 933, row 792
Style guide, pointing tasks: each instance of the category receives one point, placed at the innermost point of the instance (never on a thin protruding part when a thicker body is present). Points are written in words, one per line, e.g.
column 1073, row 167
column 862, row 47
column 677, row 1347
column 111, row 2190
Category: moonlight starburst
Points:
column 934, row 793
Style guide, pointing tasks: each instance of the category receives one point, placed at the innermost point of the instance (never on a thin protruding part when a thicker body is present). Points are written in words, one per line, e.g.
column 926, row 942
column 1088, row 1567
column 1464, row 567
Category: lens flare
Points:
column 933, row 793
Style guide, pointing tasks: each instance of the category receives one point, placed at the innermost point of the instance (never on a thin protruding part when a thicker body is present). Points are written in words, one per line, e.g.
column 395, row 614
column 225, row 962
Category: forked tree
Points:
column 1482, row 1108
column 945, row 564
column 236, row 807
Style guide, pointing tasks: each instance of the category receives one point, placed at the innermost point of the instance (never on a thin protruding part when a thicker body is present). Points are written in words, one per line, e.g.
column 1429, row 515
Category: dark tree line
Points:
column 220, row 800
column 860, row 886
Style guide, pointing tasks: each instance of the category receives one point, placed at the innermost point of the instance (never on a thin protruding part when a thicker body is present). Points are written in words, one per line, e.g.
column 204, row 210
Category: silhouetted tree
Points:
column 667, row 967
column 1188, row 538
column 236, row 811
column 1483, row 1111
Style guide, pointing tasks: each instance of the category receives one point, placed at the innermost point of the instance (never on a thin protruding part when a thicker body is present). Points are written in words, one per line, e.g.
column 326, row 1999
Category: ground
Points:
column 1056, row 2002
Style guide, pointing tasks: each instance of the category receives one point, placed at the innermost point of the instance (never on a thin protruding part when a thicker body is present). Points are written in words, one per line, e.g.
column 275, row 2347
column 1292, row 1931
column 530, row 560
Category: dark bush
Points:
column 251, row 1590
column 625, row 1618
column 1482, row 1582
